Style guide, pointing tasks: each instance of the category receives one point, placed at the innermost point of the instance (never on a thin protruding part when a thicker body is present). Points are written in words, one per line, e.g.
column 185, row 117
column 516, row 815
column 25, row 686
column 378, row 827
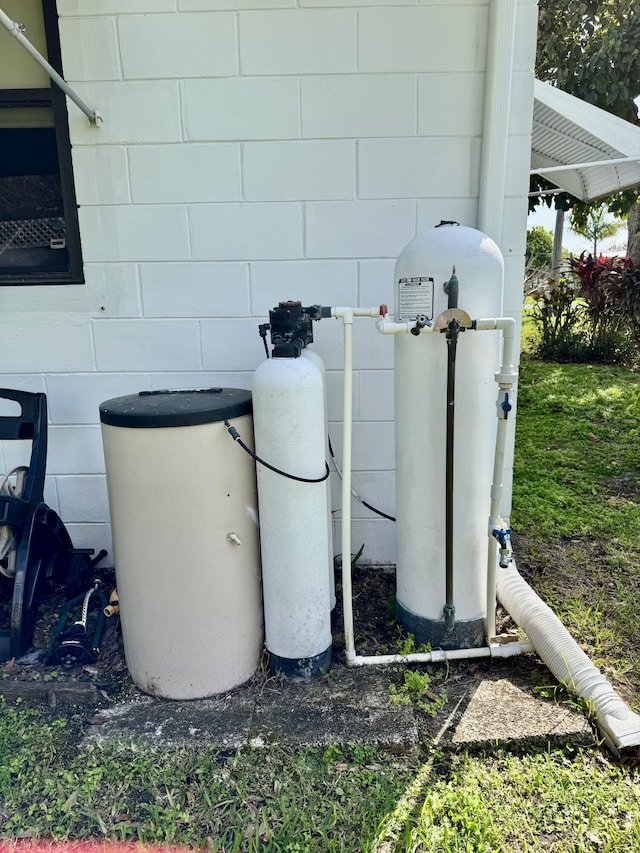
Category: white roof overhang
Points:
column 580, row 148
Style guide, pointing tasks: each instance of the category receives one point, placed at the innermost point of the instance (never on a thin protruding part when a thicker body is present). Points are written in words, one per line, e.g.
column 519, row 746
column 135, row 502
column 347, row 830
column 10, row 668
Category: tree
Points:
column 595, row 226
column 539, row 257
column 539, row 251
column 589, row 48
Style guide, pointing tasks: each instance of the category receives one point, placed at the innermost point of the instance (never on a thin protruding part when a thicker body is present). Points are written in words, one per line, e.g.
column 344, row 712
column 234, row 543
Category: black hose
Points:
column 233, row 432
column 356, row 496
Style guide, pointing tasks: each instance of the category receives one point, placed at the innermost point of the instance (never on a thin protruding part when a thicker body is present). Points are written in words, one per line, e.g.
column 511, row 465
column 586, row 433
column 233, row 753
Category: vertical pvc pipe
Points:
column 505, row 378
column 347, row 590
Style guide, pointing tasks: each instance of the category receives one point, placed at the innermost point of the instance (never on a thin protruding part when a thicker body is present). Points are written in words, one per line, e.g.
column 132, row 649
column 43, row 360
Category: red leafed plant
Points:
column 610, row 287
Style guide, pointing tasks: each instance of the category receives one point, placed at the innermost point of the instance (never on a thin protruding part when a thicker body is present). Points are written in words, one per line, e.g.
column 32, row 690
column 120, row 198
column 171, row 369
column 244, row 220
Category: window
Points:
column 39, row 236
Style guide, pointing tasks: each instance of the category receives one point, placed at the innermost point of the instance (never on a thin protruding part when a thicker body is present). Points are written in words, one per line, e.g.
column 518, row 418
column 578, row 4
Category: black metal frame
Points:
column 44, row 550
column 55, row 98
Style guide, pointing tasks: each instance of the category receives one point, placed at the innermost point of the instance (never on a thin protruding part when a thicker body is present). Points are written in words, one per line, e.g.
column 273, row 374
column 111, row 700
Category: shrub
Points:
column 592, row 313
column 556, row 316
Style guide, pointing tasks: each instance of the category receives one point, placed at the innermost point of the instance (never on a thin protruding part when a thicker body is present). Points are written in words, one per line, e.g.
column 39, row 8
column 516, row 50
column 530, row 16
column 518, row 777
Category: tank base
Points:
column 432, row 632
column 301, row 669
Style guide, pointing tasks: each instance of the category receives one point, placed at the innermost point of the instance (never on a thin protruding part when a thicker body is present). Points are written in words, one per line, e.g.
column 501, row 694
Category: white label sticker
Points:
column 415, row 296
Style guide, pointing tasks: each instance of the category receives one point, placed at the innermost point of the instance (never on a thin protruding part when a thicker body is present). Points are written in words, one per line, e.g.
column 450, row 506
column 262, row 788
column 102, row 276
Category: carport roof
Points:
column 584, row 150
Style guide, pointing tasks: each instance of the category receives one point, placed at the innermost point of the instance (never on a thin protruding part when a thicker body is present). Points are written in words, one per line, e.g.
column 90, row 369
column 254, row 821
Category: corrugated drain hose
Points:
column 233, row 432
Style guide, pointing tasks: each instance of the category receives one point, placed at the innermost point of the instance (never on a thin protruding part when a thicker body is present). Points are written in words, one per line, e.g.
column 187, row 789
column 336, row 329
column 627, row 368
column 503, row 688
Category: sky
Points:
column 574, row 243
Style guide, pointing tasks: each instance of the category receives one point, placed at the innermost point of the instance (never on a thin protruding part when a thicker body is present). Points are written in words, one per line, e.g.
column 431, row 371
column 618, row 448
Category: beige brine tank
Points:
column 183, row 505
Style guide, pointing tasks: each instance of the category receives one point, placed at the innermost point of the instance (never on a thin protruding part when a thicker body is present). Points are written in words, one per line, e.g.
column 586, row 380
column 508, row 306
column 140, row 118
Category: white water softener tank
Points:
column 183, row 505
column 423, row 268
column 288, row 399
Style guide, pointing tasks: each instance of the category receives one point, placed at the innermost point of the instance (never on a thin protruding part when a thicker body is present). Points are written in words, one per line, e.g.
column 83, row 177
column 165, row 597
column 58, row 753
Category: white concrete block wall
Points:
column 254, row 151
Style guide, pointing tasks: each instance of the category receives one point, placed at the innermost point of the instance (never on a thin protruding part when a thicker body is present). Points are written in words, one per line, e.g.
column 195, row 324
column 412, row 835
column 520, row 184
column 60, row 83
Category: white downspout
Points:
column 495, row 132
column 15, row 30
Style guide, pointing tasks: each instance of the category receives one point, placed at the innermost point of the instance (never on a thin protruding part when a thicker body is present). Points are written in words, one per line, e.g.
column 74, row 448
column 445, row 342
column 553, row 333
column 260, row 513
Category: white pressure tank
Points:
column 183, row 506
column 421, row 271
column 288, row 400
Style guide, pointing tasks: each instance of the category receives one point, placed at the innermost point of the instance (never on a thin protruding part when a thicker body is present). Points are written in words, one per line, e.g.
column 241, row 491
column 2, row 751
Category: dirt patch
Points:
column 374, row 614
column 108, row 674
column 594, row 588
column 107, row 679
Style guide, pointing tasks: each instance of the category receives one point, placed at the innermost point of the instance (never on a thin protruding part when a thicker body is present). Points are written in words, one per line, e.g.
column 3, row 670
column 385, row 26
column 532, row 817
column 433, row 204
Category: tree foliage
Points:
column 590, row 50
column 594, row 225
column 539, row 251
column 538, row 258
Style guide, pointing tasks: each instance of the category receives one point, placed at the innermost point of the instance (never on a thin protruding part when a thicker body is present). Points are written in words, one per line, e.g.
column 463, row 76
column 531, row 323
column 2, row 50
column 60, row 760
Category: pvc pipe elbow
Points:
column 344, row 313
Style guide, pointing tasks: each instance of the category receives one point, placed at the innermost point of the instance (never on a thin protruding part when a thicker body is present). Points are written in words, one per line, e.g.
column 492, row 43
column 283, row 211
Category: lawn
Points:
column 576, row 524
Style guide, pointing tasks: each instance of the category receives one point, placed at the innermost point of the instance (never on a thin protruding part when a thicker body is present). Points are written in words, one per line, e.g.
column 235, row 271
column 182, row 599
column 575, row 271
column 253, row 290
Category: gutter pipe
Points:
column 16, row 30
column 495, row 131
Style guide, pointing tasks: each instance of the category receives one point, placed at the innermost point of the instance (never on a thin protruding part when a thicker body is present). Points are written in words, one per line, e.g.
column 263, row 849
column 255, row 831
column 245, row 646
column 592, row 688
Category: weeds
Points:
column 416, row 690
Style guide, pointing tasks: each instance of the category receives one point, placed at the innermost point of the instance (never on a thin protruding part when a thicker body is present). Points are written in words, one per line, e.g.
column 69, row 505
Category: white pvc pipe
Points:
column 494, row 650
column 388, row 327
column 505, row 378
column 508, row 327
column 15, row 30
column 548, row 637
column 506, row 375
column 346, row 315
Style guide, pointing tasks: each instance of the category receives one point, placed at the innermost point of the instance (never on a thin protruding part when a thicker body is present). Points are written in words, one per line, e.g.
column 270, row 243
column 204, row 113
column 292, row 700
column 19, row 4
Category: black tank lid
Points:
column 149, row 409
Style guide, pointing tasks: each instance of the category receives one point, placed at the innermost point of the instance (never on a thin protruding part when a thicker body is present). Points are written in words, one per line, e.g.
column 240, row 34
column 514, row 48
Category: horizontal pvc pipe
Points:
column 342, row 312
column 619, row 726
column 494, row 650
column 389, row 327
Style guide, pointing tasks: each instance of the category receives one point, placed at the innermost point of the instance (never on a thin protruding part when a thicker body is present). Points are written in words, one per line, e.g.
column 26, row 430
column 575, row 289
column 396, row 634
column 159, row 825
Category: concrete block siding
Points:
column 254, row 151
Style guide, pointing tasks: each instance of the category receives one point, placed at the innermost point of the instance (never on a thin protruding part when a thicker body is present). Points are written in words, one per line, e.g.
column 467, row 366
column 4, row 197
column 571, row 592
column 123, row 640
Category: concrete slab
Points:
column 495, row 709
column 351, row 707
column 162, row 724
column 486, row 705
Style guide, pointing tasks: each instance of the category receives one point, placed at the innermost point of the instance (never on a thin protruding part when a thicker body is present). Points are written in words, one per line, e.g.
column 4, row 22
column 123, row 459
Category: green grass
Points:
column 358, row 799
column 576, row 523
column 576, row 502
column 247, row 800
column 504, row 803
column 575, row 426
